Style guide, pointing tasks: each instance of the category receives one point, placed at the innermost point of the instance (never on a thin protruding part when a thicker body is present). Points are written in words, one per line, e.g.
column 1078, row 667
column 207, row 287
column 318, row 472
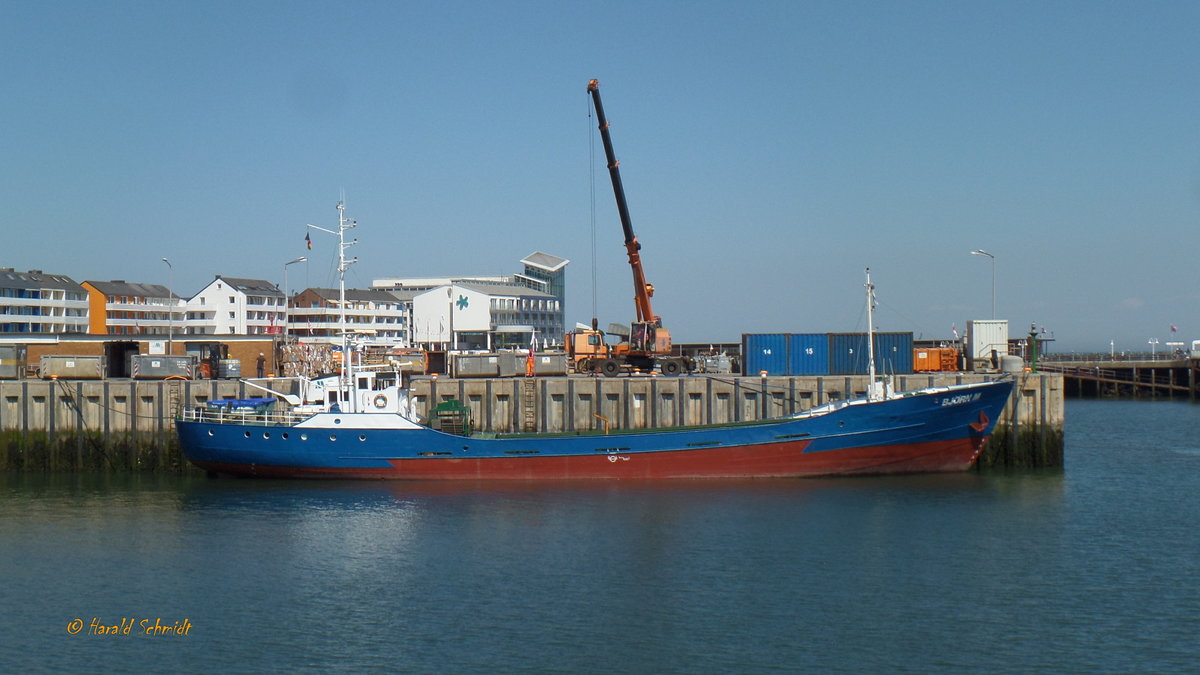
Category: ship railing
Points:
column 251, row 417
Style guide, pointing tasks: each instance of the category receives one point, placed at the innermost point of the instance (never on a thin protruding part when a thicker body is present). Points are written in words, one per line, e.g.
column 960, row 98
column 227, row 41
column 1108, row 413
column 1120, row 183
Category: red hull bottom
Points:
column 777, row 460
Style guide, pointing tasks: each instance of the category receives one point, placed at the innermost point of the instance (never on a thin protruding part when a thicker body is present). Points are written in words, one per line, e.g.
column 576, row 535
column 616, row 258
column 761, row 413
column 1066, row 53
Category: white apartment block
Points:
column 233, row 306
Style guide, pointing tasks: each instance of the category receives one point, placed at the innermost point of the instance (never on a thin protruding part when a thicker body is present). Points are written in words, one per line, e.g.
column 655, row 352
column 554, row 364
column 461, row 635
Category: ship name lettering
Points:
column 960, row 399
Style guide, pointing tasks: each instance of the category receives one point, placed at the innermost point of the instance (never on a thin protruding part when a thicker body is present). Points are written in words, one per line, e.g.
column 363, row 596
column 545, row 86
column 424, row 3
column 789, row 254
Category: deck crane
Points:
column 649, row 344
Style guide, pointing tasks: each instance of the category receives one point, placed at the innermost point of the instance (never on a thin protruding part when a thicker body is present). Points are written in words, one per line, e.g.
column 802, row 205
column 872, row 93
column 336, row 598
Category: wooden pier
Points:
column 1154, row 379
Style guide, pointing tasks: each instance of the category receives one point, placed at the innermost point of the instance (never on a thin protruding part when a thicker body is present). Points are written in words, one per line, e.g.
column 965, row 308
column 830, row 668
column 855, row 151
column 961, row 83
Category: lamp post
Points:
column 1153, row 342
column 170, row 306
column 450, row 344
column 980, row 251
column 286, row 297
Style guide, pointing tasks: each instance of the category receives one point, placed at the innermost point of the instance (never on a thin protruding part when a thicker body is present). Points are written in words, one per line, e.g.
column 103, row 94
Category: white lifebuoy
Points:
column 381, row 401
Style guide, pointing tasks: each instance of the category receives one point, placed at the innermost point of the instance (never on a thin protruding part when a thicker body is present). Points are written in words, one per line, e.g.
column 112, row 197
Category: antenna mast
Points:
column 870, row 332
column 344, row 224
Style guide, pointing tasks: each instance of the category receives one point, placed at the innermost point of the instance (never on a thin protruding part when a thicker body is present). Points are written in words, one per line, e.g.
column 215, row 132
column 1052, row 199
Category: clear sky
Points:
column 770, row 151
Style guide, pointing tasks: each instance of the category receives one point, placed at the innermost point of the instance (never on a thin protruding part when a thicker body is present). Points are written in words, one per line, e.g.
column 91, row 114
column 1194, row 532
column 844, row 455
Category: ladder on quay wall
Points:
column 529, row 404
column 174, row 400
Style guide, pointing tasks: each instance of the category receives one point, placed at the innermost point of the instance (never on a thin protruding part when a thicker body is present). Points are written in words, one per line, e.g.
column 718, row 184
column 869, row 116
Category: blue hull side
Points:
column 942, row 431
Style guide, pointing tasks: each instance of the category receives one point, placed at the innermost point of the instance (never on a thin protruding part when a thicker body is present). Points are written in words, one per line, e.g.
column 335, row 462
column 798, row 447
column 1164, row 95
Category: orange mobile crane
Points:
column 649, row 344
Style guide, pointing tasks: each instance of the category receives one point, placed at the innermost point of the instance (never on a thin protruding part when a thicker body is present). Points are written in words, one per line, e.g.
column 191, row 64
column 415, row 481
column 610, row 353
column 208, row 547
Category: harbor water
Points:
column 1091, row 568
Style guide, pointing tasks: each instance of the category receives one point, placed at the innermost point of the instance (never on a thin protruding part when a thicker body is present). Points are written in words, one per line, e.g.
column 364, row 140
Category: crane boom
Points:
column 642, row 290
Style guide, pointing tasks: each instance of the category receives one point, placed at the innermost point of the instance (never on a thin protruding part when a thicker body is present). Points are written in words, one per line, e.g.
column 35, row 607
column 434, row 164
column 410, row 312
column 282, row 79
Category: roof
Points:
column 256, row 286
column 404, row 295
column 505, row 289
column 36, row 279
column 550, row 263
column 126, row 288
column 354, row 295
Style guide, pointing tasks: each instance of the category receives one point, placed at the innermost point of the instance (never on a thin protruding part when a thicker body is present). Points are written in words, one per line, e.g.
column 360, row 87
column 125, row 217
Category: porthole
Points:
column 210, row 432
column 304, row 437
column 337, row 420
column 362, row 437
column 283, row 435
column 333, row 437
column 266, row 435
column 247, row 434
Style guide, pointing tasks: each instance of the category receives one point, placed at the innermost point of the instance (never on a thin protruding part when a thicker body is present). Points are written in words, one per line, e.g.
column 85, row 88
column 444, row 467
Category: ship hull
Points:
column 944, row 430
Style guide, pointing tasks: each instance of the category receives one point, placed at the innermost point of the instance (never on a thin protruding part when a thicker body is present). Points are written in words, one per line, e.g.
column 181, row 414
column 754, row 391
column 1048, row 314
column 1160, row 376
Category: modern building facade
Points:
column 548, row 274
column 36, row 302
column 487, row 312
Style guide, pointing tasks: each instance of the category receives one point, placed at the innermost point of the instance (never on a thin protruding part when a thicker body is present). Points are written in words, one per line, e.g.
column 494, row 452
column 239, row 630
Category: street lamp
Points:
column 450, row 344
column 1153, row 342
column 170, row 306
column 286, row 314
column 980, row 251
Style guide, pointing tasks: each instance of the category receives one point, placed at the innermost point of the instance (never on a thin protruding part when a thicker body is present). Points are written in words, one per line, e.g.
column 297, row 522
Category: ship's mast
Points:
column 870, row 334
column 344, row 224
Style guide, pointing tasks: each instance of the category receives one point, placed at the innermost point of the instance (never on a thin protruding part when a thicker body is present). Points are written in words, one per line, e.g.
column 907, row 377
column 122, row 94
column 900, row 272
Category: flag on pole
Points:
column 1174, row 329
column 308, row 240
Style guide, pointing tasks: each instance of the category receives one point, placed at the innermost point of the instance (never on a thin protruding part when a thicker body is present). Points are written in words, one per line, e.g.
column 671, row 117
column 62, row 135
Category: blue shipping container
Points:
column 765, row 351
column 808, row 354
column 848, row 353
column 893, row 353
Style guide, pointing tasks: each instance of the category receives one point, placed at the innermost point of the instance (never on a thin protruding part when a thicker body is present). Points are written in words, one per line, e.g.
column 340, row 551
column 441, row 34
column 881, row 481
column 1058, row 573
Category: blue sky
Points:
column 770, row 151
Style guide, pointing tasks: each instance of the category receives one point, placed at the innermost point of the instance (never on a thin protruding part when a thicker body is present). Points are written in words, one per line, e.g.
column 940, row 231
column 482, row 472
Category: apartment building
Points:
column 36, row 302
column 375, row 316
column 122, row 308
column 235, row 306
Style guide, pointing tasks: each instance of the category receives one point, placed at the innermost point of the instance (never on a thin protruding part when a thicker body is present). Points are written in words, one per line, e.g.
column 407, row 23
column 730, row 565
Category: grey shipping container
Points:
column 476, row 365
column 549, row 364
column 229, row 369
column 71, row 367
column 154, row 367
column 12, row 361
column 848, row 353
column 511, row 364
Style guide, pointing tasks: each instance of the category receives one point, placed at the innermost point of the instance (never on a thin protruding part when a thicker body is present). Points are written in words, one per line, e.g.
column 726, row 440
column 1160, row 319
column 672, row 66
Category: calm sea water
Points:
column 1095, row 568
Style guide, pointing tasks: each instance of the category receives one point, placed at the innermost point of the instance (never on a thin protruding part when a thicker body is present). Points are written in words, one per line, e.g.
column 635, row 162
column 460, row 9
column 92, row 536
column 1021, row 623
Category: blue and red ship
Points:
column 940, row 429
